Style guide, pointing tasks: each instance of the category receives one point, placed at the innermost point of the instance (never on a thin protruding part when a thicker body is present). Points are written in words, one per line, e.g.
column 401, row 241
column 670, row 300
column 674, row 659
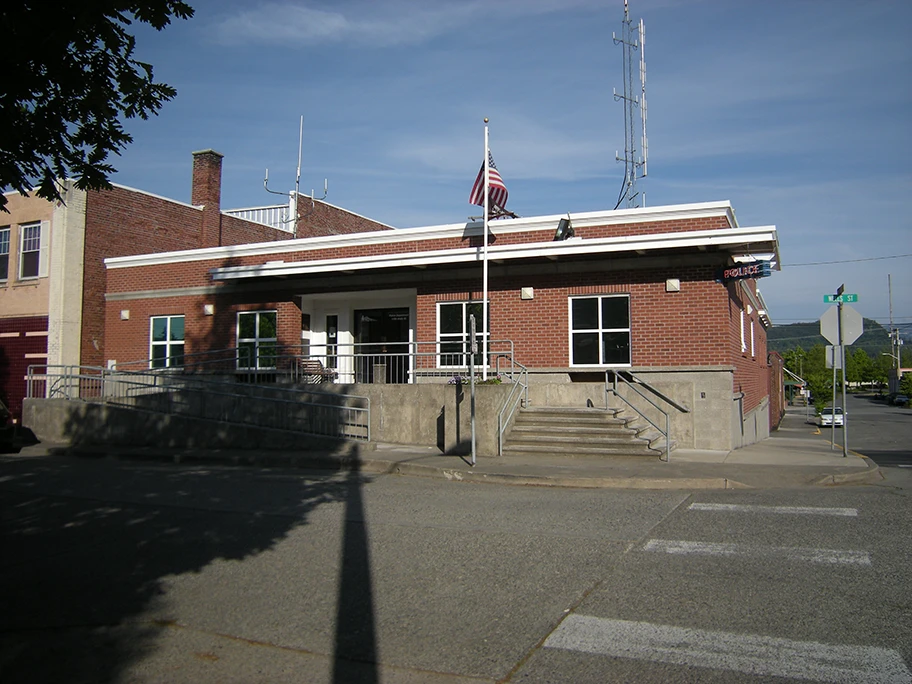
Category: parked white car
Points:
column 830, row 416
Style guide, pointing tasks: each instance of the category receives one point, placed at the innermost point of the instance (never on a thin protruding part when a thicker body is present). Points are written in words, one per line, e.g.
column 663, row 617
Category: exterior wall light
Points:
column 564, row 230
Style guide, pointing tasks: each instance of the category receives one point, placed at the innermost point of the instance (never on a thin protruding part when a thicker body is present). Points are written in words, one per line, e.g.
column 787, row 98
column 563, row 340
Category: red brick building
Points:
column 52, row 273
column 666, row 293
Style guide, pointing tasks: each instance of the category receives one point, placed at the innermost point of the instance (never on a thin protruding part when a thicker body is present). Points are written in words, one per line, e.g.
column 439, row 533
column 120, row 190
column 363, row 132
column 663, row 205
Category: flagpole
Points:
column 484, row 305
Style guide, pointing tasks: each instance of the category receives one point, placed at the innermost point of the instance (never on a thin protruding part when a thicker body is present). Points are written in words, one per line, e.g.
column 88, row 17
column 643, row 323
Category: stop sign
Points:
column 852, row 324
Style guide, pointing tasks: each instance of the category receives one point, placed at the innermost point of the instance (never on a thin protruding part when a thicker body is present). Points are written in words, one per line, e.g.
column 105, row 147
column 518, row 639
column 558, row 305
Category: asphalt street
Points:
column 118, row 571
column 882, row 433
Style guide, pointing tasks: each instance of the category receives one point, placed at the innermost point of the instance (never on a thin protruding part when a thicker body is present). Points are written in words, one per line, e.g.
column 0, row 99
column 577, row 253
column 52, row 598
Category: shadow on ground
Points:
column 88, row 545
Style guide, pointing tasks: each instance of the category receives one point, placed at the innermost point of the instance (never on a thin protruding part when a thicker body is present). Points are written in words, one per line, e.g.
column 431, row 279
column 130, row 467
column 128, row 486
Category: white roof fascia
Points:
column 574, row 247
column 446, row 231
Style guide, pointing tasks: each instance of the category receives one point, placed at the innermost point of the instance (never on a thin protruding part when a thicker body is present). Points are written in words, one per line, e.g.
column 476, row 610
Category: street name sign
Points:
column 844, row 298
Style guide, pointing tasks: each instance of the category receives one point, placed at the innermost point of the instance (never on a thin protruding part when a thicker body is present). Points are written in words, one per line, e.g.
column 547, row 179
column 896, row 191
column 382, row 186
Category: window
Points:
column 454, row 328
column 257, row 339
column 30, row 252
column 4, row 252
column 743, row 342
column 332, row 341
column 600, row 331
column 752, row 338
column 167, row 342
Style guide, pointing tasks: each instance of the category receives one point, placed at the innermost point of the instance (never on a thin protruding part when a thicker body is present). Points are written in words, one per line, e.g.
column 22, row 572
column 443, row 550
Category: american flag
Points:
column 497, row 194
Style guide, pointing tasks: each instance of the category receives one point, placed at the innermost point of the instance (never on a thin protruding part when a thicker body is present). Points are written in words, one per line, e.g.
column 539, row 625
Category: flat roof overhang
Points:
column 741, row 244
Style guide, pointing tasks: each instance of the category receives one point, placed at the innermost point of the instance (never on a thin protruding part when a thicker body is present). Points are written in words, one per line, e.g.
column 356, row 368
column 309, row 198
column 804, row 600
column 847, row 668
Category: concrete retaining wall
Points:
column 426, row 414
column 433, row 415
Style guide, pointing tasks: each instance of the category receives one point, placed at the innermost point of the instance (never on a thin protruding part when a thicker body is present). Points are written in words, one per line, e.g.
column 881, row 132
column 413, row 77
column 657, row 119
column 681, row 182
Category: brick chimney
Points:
column 207, row 191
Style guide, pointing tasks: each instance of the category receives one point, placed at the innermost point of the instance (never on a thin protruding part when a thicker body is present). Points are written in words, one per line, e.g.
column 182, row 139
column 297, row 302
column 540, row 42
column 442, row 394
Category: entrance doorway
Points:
column 381, row 345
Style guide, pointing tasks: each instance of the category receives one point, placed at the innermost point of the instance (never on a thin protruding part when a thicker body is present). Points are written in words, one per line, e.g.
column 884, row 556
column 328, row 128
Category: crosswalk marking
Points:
column 786, row 510
column 829, row 556
column 751, row 654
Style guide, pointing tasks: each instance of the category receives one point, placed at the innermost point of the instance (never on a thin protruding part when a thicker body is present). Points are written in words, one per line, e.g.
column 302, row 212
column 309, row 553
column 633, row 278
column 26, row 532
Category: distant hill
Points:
column 874, row 340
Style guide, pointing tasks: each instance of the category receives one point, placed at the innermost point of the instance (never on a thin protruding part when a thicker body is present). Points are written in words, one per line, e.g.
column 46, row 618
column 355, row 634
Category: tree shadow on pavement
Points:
column 89, row 547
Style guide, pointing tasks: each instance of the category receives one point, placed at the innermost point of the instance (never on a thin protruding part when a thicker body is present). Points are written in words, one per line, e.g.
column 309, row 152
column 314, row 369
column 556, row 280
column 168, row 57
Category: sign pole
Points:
column 845, row 422
column 833, row 404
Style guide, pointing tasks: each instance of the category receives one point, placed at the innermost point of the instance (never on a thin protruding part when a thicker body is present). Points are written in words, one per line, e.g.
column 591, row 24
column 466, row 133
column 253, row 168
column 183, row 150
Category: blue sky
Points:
column 799, row 113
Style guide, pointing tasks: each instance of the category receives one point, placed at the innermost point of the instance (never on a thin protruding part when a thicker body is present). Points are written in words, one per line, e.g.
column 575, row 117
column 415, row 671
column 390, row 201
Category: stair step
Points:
column 608, row 432
column 579, row 432
column 566, row 450
column 575, row 439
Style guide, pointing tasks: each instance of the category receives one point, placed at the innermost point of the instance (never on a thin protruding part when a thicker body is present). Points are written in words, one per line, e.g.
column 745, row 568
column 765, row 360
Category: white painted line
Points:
column 905, row 465
column 750, row 654
column 786, row 510
column 829, row 556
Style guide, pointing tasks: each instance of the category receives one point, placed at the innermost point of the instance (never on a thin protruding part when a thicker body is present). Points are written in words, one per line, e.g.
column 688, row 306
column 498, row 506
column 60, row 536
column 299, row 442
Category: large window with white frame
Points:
column 257, row 339
column 454, row 332
column 30, row 244
column 166, row 341
column 600, row 330
column 4, row 252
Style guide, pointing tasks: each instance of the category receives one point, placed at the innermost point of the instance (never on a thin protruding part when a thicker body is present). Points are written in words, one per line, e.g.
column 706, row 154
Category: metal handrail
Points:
column 518, row 396
column 318, row 413
column 632, row 384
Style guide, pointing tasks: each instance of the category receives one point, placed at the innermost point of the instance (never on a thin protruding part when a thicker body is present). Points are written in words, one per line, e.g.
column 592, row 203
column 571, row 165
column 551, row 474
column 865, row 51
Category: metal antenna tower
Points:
column 633, row 39
column 292, row 216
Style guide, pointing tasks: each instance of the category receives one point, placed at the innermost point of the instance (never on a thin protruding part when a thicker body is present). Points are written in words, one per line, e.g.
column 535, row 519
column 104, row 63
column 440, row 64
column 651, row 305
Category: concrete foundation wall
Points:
column 426, row 414
column 706, row 393
column 433, row 415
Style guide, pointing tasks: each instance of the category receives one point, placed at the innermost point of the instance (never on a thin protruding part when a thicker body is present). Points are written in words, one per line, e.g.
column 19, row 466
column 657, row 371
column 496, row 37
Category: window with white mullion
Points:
column 454, row 333
column 4, row 252
column 600, row 330
column 29, row 250
column 257, row 339
column 166, row 343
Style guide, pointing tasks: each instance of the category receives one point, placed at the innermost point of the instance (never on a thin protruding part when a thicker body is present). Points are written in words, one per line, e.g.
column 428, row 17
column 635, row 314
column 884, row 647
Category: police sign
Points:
column 757, row 269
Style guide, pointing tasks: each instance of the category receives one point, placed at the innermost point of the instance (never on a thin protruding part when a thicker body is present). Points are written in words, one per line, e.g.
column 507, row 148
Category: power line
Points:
column 849, row 261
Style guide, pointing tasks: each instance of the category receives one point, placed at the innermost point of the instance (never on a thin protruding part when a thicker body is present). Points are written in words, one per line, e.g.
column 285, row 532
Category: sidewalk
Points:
column 797, row 455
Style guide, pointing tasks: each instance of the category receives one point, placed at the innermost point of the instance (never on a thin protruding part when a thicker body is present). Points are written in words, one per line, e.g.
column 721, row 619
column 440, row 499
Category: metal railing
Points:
column 518, row 397
column 633, row 384
column 326, row 414
column 370, row 363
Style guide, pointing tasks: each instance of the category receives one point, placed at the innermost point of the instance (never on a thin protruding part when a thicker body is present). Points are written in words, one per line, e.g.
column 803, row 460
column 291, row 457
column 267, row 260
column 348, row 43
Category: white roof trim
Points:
column 575, row 247
column 457, row 230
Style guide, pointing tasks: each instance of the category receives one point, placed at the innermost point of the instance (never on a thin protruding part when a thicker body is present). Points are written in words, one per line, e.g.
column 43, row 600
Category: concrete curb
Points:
column 869, row 475
column 346, row 462
column 329, row 462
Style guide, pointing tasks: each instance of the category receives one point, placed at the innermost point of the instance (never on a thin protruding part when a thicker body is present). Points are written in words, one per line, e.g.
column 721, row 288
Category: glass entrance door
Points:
column 381, row 345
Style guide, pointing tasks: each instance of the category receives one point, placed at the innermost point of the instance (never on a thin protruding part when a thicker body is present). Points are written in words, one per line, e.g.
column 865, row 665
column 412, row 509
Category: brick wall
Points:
column 686, row 328
column 128, row 340
column 124, row 222
column 197, row 273
column 751, row 369
column 319, row 218
column 776, row 389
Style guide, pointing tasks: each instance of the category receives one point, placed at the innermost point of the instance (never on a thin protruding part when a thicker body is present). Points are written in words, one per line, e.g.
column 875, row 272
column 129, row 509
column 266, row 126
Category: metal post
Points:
column 833, row 406
column 845, row 422
column 473, row 349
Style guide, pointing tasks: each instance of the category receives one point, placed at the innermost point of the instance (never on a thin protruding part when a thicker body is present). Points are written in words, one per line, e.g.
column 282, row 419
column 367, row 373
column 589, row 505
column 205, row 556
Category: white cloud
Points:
column 400, row 22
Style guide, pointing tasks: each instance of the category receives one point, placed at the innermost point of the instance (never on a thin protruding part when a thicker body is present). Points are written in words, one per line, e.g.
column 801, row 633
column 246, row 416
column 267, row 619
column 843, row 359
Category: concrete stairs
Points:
column 581, row 432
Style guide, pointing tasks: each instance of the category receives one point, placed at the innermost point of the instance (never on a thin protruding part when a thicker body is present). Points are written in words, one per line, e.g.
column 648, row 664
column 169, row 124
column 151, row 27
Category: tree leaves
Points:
column 70, row 78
